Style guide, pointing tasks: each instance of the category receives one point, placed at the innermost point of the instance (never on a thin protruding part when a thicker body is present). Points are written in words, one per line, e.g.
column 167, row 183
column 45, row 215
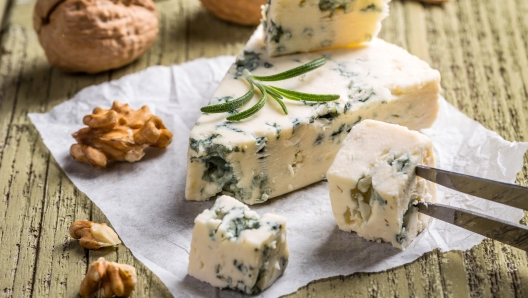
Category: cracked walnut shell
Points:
column 118, row 134
column 93, row 235
column 94, row 35
column 115, row 279
column 243, row 12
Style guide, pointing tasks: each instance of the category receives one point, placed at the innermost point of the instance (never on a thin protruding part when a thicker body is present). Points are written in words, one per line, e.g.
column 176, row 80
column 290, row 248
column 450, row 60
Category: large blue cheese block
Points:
column 270, row 153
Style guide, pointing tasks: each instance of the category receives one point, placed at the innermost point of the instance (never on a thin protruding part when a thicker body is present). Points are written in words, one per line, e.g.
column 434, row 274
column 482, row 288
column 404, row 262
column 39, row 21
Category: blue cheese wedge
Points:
column 311, row 25
column 270, row 153
column 373, row 184
column 232, row 247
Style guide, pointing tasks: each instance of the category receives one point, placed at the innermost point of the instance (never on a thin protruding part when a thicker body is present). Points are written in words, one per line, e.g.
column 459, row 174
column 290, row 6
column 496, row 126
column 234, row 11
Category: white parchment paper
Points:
column 145, row 201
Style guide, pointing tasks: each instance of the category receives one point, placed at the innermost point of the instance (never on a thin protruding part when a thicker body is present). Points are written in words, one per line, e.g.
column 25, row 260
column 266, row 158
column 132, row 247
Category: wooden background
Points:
column 479, row 46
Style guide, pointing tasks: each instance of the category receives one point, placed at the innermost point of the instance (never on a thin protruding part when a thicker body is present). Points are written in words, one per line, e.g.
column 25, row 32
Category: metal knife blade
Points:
column 510, row 233
column 500, row 192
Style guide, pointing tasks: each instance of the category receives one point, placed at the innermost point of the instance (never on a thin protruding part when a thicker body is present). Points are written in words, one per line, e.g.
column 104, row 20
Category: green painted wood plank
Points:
column 453, row 273
column 171, row 46
column 208, row 36
column 10, row 225
column 416, row 31
column 11, row 61
column 394, row 25
column 61, row 262
column 4, row 4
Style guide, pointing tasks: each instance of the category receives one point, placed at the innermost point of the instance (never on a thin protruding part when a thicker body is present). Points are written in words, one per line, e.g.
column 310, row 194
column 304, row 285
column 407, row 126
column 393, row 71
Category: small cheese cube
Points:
column 373, row 184
column 232, row 247
column 311, row 25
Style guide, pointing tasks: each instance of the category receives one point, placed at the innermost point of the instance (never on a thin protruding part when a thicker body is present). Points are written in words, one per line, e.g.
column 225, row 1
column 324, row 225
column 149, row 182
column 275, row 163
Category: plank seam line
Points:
column 37, row 250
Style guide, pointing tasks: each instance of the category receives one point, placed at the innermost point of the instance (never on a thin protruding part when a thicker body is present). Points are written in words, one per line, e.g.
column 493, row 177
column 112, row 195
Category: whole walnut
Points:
column 94, row 35
column 243, row 12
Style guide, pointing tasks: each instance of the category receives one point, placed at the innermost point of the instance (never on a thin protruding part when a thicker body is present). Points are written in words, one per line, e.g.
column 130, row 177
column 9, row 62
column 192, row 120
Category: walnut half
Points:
column 118, row 134
column 115, row 279
column 93, row 235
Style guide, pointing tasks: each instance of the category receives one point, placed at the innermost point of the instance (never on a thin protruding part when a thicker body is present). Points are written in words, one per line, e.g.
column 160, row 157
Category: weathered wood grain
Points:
column 3, row 12
column 479, row 46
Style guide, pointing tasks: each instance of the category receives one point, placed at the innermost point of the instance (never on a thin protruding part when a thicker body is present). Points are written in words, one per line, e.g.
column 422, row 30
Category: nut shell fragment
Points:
column 118, row 134
column 93, row 235
column 115, row 279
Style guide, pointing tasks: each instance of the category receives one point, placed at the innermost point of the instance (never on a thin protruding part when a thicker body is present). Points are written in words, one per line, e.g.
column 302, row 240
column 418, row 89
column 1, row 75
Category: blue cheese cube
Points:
column 373, row 184
column 270, row 153
column 232, row 247
column 311, row 25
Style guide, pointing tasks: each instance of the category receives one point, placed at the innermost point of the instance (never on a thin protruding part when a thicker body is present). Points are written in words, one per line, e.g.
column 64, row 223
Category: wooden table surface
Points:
column 479, row 46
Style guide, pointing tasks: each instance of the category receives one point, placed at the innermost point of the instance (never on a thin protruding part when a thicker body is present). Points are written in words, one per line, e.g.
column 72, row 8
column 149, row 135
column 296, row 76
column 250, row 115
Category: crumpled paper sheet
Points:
column 145, row 201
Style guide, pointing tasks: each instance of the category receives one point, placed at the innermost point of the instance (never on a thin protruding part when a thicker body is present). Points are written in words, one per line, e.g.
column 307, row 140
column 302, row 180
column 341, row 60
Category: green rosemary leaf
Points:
column 281, row 103
column 254, row 109
column 295, row 95
column 272, row 92
column 277, row 97
column 294, row 72
column 231, row 105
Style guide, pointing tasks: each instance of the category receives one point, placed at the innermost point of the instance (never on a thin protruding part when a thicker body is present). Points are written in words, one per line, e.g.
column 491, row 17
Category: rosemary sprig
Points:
column 230, row 105
column 275, row 92
column 251, row 111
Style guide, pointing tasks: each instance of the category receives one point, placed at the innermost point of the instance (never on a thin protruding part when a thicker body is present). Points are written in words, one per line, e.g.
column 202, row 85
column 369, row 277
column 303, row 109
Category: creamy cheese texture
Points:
column 373, row 184
column 293, row 26
column 270, row 153
column 232, row 247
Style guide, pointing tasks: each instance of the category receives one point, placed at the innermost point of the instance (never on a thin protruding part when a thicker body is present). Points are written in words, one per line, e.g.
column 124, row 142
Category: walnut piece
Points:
column 93, row 36
column 115, row 279
column 93, row 235
column 92, row 281
column 118, row 134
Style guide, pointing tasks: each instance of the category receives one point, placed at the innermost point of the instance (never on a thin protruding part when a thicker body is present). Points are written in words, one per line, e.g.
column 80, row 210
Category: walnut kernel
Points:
column 118, row 134
column 93, row 235
column 92, row 281
column 115, row 279
column 119, row 280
